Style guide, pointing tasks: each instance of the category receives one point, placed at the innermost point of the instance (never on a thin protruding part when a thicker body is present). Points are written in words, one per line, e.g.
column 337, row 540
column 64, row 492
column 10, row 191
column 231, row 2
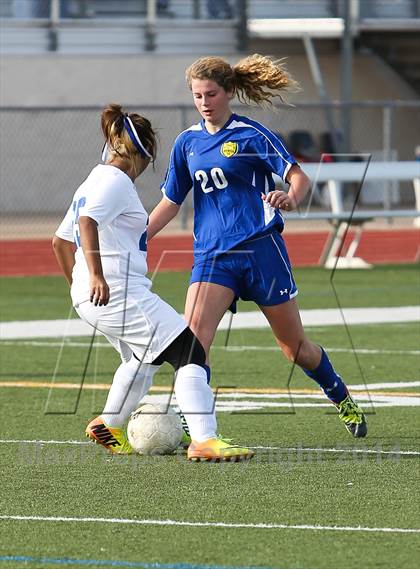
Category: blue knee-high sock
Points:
column 328, row 379
column 208, row 372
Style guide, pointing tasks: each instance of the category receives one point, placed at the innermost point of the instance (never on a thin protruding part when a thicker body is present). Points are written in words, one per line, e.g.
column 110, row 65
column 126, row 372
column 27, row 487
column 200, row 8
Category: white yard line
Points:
column 247, row 401
column 244, row 402
column 385, row 385
column 319, row 395
column 317, row 317
column 330, row 317
column 342, row 450
column 104, row 344
column 245, row 406
column 146, row 522
column 328, row 349
column 375, row 452
column 42, row 442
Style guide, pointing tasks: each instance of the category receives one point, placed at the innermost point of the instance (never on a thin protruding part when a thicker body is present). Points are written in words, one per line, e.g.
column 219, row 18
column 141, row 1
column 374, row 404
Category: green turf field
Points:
column 289, row 508
column 38, row 298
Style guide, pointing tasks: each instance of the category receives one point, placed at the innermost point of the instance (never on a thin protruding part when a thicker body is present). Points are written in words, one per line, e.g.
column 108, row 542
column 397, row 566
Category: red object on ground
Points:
column 174, row 252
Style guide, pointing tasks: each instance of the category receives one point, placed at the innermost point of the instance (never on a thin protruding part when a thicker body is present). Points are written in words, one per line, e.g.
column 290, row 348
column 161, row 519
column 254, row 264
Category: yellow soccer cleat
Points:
column 112, row 438
column 217, row 450
column 353, row 417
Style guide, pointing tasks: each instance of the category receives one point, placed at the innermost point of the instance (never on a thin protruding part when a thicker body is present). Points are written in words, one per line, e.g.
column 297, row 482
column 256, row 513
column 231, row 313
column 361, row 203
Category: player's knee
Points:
column 205, row 337
column 301, row 353
column 193, row 351
column 309, row 356
column 201, row 330
column 185, row 349
column 289, row 353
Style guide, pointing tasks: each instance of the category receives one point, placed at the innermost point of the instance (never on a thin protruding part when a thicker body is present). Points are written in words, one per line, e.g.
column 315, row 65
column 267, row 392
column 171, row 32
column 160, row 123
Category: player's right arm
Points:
column 163, row 213
column 64, row 247
column 64, row 253
column 175, row 188
column 89, row 241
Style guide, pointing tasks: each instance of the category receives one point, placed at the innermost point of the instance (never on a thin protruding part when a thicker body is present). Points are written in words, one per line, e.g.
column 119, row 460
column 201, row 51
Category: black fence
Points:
column 47, row 152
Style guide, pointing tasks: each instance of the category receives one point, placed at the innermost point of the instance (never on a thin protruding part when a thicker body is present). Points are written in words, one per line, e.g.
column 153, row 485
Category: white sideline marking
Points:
column 341, row 450
column 257, row 402
column 244, row 406
column 41, row 442
column 328, row 349
column 355, row 387
column 71, row 344
column 246, row 401
column 317, row 317
column 207, row 524
column 285, row 449
column 385, row 385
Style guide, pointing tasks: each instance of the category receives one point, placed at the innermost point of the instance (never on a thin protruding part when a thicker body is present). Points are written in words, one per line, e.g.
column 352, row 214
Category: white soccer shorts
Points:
column 134, row 321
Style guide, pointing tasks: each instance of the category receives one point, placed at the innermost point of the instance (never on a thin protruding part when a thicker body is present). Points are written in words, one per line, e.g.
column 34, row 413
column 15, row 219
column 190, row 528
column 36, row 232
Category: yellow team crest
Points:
column 229, row 149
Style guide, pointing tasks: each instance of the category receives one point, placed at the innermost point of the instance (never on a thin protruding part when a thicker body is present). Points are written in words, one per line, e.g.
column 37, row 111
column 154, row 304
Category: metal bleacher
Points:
column 323, row 18
column 291, row 9
column 379, row 9
column 178, row 26
column 334, row 175
column 112, row 26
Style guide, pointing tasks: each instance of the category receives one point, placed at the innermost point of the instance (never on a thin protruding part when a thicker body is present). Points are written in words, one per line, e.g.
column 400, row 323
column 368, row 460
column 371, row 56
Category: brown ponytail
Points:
column 255, row 79
column 117, row 137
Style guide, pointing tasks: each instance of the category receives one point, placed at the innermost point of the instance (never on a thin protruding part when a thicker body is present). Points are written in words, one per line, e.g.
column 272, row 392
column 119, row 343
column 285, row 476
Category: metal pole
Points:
column 416, row 184
column 187, row 205
column 387, row 130
column 322, row 91
column 150, row 31
column 55, row 12
column 242, row 33
column 196, row 9
column 53, row 25
column 83, row 9
column 346, row 74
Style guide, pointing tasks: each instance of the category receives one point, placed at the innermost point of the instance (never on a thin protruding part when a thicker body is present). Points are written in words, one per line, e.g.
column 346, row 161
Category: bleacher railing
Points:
column 30, row 26
column 202, row 9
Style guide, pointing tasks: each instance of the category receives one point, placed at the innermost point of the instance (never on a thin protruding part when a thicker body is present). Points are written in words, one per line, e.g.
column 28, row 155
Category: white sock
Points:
column 131, row 382
column 196, row 401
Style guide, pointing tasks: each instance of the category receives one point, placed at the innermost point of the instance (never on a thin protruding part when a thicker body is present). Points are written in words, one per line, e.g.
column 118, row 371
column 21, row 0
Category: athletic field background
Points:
column 312, row 498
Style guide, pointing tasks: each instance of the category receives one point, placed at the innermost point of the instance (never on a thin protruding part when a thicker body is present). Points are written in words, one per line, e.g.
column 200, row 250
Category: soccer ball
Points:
column 154, row 429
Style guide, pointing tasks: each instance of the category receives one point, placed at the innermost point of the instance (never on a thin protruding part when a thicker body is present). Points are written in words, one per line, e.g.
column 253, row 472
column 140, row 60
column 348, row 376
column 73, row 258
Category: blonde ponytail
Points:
column 259, row 79
column 255, row 79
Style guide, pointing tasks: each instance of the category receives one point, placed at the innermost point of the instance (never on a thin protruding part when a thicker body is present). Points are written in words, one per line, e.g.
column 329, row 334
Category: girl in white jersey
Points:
column 229, row 161
column 106, row 221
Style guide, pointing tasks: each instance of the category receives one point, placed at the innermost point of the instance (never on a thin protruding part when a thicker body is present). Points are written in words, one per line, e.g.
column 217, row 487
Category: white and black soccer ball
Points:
column 154, row 429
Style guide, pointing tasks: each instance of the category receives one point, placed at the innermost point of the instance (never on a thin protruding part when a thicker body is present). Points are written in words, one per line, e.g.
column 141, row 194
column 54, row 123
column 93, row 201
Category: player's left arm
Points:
column 64, row 252
column 277, row 158
column 299, row 187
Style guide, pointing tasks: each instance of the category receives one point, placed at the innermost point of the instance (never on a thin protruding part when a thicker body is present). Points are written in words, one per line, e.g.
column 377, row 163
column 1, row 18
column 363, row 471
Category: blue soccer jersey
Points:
column 228, row 172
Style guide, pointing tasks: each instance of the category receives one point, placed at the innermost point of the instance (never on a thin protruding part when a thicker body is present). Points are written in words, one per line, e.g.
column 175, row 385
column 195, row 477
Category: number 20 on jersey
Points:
column 216, row 180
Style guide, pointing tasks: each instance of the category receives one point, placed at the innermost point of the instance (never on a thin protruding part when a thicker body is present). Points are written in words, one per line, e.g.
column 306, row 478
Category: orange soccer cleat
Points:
column 112, row 438
column 217, row 450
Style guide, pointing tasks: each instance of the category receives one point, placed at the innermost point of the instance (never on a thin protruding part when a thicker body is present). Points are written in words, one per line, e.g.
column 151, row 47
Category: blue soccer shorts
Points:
column 257, row 269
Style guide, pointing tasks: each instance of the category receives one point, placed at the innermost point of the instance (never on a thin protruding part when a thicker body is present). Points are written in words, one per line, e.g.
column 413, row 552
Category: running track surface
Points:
column 174, row 252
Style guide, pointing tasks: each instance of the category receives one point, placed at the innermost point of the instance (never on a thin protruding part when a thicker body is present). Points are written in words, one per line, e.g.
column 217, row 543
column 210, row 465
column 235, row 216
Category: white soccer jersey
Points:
column 110, row 198
column 135, row 319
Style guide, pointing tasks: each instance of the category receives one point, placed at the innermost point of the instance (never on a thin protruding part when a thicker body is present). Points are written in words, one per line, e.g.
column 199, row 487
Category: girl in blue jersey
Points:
column 228, row 161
